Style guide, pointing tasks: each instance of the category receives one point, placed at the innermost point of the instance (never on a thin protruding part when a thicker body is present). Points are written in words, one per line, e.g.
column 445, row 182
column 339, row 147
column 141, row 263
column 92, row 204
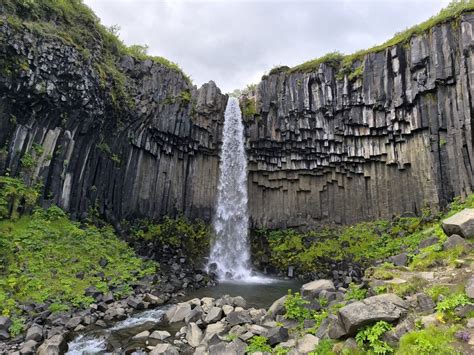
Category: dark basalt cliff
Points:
column 322, row 148
column 63, row 126
column 396, row 139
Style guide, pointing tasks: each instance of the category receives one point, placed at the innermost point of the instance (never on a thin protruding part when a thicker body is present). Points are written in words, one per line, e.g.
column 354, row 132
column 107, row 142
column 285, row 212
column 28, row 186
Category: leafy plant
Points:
column 258, row 343
column 428, row 341
column 369, row 338
column 324, row 347
column 17, row 326
column 355, row 292
column 447, row 306
column 295, row 307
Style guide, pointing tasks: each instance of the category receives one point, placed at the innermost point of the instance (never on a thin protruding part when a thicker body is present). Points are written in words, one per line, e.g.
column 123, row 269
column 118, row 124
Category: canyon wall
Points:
column 394, row 139
column 63, row 126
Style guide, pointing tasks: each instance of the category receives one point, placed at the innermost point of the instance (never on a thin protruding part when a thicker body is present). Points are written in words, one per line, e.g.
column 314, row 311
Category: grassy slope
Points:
column 42, row 253
column 345, row 63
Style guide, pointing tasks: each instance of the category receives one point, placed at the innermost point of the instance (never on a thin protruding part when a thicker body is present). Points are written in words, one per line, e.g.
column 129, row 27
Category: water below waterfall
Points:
column 230, row 252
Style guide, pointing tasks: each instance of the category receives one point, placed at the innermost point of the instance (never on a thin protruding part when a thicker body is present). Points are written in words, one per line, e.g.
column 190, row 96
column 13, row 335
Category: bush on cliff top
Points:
column 345, row 63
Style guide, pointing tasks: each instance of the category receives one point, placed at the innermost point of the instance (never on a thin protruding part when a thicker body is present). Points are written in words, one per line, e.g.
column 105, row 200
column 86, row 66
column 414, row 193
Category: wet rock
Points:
column 314, row 288
column 461, row 223
column 159, row 335
column 142, row 336
column 386, row 307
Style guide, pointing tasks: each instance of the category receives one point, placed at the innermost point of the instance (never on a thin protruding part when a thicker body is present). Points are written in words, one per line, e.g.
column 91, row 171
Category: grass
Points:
column 364, row 242
column 42, row 254
column 428, row 341
column 351, row 65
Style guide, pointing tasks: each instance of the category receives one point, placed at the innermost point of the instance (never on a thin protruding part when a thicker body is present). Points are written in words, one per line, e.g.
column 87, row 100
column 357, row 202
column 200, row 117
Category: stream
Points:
column 259, row 294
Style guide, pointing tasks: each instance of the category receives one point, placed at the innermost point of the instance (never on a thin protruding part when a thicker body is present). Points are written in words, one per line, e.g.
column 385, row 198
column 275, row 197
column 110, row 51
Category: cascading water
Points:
column 230, row 250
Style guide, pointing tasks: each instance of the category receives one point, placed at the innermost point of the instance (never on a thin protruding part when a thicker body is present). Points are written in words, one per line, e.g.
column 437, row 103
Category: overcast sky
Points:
column 234, row 42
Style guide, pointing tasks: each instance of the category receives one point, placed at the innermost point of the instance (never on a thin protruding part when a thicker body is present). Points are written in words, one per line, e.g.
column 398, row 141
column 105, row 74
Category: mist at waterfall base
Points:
column 230, row 251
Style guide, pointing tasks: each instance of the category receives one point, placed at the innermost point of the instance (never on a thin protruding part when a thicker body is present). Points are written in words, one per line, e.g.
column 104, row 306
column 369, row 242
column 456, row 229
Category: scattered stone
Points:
column 214, row 315
column 73, row 322
column 315, row 287
column 425, row 303
column 142, row 336
column 277, row 335
column 455, row 241
column 239, row 301
column 429, row 320
column 178, row 312
column 194, row 315
column 470, row 287
column 277, row 307
column 227, row 309
column 399, row 260
column 29, row 347
column 160, row 335
column 35, row 333
column 53, row 346
column 387, row 307
column 461, row 223
column 428, row 242
column 165, row 349
column 470, row 323
column 135, row 303
column 241, row 317
column 393, row 336
column 193, row 335
column 307, row 344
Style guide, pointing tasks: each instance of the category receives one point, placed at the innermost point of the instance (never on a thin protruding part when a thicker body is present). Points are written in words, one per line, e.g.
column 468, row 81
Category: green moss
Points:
column 249, row 108
column 428, row 341
column 42, row 254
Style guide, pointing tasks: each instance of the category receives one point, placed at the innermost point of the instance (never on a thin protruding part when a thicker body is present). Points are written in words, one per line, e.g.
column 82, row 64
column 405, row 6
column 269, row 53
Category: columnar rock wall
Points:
column 396, row 139
column 60, row 126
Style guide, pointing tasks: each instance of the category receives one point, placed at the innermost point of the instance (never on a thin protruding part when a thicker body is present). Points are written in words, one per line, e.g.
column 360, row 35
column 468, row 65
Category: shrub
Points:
column 428, row 341
column 17, row 326
column 295, row 307
column 355, row 292
column 258, row 344
column 369, row 338
column 16, row 197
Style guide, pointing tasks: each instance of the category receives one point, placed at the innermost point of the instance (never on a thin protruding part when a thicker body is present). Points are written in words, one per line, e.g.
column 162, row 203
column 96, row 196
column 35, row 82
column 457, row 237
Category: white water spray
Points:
column 230, row 250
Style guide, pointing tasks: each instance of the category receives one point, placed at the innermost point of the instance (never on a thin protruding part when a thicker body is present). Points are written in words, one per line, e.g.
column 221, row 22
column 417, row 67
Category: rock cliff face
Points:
column 396, row 139
column 62, row 126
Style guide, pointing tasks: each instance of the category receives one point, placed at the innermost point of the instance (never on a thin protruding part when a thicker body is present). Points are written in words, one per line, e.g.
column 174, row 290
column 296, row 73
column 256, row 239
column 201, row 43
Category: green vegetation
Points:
column 16, row 197
column 42, row 255
column 258, row 343
column 447, row 306
column 249, row 107
column 355, row 292
column 351, row 65
column 295, row 307
column 192, row 238
column 75, row 24
column 363, row 242
column 369, row 338
column 324, row 347
column 427, row 342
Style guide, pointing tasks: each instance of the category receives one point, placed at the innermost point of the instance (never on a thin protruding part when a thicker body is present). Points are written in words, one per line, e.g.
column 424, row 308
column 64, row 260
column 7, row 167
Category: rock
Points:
column 315, row 287
column 239, row 301
column 73, row 322
column 5, row 323
column 193, row 335
column 29, row 347
column 246, row 336
column 455, row 241
column 207, row 303
column 428, row 242
column 35, row 333
column 470, row 323
column 214, row 315
column 277, row 307
column 115, row 313
column 108, row 298
column 135, row 303
column 277, row 335
column 461, row 223
column 235, row 347
column 152, row 299
column 334, row 328
column 160, row 335
column 142, row 336
column 55, row 345
column 464, row 311
column 307, row 344
column 393, row 336
column 93, row 292
column 387, row 307
column 429, row 320
column 213, row 329
column 194, row 315
column 258, row 330
column 4, row 334
column 227, row 309
column 164, row 349
column 469, row 288
column 424, row 303
column 178, row 312
column 218, row 349
column 399, row 260
column 241, row 317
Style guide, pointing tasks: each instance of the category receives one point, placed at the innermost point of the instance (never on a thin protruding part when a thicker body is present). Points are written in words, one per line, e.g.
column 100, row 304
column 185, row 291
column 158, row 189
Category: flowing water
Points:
column 230, row 252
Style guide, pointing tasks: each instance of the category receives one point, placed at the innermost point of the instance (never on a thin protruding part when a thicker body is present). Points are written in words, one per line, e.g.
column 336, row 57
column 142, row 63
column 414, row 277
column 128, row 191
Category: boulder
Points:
column 393, row 336
column 242, row 317
column 213, row 329
column 227, row 309
column 277, row 307
column 399, row 260
column 258, row 330
column 239, row 301
column 469, row 288
column 424, row 303
column 142, row 336
column 135, row 303
column 160, row 335
column 455, row 241
column 194, row 315
column 178, row 312
column 314, row 288
column 430, row 320
column 73, row 322
column 193, row 335
column 55, row 345
column 387, row 307
column 428, row 242
column 461, row 223
column 214, row 315
column 277, row 335
column 29, row 347
column 5, row 323
column 307, row 344
column 35, row 332
column 164, row 349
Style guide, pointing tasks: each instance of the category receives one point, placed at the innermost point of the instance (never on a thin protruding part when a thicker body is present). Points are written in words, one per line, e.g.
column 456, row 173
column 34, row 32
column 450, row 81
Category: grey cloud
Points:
column 235, row 42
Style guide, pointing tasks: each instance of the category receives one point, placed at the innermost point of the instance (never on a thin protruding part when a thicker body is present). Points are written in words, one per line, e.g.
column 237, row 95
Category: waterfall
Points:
column 230, row 255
